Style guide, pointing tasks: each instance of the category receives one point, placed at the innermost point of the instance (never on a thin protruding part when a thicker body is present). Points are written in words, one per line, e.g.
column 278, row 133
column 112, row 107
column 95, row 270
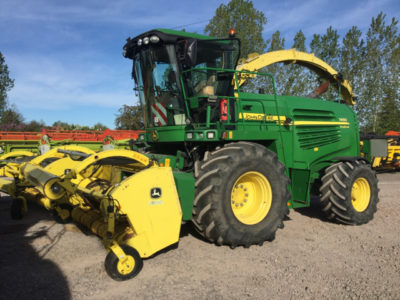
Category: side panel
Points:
column 185, row 186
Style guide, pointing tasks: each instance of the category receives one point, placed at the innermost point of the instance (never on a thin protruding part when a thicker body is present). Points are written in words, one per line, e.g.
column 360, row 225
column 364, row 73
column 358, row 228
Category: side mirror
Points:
column 187, row 52
column 191, row 53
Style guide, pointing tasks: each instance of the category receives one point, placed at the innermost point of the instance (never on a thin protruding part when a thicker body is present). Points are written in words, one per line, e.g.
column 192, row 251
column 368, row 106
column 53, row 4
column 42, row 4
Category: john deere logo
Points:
column 155, row 193
column 154, row 135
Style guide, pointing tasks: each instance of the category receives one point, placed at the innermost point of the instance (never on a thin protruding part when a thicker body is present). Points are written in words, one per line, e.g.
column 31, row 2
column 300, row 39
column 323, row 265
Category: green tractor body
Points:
column 231, row 146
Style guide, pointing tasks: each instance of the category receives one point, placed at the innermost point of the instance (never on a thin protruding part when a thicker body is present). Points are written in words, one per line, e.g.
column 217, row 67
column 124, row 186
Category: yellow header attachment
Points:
column 256, row 62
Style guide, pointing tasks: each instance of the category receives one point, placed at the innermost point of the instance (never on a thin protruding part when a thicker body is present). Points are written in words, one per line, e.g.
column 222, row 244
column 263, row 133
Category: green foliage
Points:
column 380, row 73
column 11, row 120
column 6, row 84
column 66, row 126
column 298, row 79
column 129, row 117
column 245, row 19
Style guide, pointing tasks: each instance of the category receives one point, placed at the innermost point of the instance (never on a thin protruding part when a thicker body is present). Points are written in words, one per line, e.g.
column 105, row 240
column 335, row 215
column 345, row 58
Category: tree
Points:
column 381, row 79
column 34, row 126
column 297, row 77
column 247, row 21
column 11, row 120
column 352, row 65
column 389, row 115
column 99, row 126
column 6, row 84
column 129, row 117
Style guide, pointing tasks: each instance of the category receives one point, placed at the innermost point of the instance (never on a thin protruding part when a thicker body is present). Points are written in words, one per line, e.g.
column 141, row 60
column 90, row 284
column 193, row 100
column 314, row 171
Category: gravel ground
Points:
column 310, row 259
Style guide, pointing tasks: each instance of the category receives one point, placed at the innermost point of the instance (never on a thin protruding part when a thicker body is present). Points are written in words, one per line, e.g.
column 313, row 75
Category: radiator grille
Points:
column 312, row 136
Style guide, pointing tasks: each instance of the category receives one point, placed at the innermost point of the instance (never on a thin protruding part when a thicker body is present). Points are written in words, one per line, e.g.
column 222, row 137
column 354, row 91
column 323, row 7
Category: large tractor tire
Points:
column 349, row 192
column 241, row 195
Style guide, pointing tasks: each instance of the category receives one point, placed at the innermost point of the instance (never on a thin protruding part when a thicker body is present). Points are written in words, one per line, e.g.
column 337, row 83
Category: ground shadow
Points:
column 314, row 210
column 24, row 273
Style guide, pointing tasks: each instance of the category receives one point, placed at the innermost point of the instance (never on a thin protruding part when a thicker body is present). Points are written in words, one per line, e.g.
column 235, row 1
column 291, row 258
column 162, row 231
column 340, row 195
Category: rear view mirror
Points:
column 186, row 51
column 191, row 53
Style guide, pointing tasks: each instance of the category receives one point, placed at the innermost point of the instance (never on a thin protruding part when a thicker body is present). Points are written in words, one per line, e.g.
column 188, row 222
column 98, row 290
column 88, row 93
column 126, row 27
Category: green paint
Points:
column 185, row 186
column 306, row 134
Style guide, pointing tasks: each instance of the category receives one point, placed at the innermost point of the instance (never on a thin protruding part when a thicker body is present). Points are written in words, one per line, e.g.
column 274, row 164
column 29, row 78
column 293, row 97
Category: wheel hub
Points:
column 360, row 194
column 251, row 198
column 126, row 265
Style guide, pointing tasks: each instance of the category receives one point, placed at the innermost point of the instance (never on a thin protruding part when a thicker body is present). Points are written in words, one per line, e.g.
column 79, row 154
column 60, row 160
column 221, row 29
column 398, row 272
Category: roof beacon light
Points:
column 146, row 40
column 154, row 39
column 232, row 32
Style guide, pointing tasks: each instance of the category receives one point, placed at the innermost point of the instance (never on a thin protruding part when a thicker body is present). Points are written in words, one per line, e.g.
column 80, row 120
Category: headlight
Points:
column 210, row 135
column 154, row 39
column 189, row 135
column 146, row 40
column 139, row 42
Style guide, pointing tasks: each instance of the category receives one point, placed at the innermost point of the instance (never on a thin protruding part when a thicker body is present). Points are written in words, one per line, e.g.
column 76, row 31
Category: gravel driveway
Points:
column 309, row 259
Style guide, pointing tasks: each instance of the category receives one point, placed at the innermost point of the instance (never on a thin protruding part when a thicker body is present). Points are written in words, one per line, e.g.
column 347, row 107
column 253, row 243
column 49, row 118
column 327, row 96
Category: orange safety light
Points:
column 232, row 32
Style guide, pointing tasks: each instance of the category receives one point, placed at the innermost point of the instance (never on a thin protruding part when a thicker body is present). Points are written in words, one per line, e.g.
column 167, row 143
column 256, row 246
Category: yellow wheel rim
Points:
column 251, row 198
column 126, row 265
column 360, row 194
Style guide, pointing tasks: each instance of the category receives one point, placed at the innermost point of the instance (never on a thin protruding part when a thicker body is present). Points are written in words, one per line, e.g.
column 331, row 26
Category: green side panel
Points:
column 366, row 150
column 185, row 186
column 300, row 187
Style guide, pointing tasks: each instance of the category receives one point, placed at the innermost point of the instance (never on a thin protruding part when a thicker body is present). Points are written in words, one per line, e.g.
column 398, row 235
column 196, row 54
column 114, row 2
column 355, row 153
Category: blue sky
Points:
column 66, row 56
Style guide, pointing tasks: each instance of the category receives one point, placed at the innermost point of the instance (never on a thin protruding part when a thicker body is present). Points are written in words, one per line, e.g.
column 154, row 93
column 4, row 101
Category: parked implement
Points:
column 382, row 150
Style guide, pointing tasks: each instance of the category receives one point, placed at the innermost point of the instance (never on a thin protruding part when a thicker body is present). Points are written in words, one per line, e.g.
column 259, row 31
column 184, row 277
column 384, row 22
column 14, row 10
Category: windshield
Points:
column 155, row 69
column 204, row 78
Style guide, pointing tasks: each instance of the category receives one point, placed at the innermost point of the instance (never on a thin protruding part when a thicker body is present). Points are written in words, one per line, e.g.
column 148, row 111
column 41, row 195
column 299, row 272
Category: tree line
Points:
column 369, row 60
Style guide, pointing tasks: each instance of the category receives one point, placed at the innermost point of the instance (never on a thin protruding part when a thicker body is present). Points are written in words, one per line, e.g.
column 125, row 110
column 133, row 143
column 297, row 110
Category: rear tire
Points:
column 349, row 192
column 241, row 195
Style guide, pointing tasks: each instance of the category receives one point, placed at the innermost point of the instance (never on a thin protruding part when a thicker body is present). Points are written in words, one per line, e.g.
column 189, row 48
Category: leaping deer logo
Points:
column 155, row 193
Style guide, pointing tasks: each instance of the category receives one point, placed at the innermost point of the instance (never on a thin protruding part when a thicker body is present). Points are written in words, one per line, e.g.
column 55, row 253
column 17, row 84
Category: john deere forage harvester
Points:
column 229, row 159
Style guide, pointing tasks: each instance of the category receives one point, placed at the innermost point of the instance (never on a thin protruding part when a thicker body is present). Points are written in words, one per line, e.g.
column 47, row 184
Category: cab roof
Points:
column 165, row 35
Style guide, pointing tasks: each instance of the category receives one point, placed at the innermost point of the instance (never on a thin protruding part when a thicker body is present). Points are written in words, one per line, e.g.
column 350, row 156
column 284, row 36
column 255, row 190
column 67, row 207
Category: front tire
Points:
column 241, row 195
column 123, row 270
column 349, row 193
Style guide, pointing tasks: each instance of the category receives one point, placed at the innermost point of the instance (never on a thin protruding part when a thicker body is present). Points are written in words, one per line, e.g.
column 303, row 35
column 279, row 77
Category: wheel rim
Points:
column 360, row 194
column 251, row 198
column 125, row 266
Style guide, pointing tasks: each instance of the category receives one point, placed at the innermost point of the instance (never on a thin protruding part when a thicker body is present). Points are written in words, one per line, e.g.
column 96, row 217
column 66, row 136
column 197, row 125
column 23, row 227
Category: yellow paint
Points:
column 271, row 118
column 316, row 149
column 167, row 162
column 126, row 263
column 230, row 134
column 251, row 198
column 360, row 194
column 257, row 62
column 376, row 162
column 140, row 158
column 15, row 154
column 261, row 117
column 156, row 221
column 305, row 123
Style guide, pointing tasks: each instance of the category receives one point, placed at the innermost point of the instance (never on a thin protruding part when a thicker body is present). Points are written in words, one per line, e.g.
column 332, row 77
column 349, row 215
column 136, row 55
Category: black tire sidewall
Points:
column 111, row 263
column 273, row 217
